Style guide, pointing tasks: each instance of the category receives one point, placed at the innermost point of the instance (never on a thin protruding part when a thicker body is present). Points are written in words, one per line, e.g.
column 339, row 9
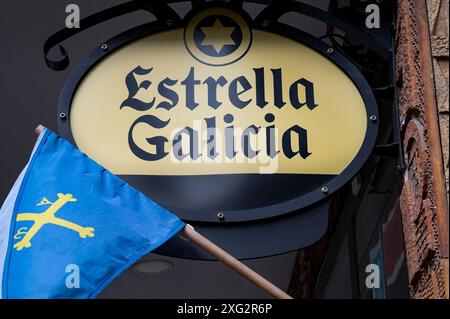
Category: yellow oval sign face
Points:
column 218, row 98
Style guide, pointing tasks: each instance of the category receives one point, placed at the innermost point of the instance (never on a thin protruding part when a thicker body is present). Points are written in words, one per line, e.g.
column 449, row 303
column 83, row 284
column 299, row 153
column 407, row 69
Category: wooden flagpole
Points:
column 198, row 239
column 189, row 233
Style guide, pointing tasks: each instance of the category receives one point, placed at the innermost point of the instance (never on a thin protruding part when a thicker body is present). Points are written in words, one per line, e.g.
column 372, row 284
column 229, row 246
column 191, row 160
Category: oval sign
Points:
column 220, row 116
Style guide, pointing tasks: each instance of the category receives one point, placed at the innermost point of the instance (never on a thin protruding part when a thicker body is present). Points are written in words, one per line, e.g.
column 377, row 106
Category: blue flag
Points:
column 66, row 216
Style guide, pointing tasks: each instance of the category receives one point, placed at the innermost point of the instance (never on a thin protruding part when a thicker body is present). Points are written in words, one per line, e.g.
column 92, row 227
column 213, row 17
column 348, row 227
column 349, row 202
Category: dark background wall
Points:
column 28, row 89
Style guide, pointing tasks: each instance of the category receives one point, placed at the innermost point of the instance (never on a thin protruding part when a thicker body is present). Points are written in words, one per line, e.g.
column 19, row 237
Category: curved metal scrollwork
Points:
column 275, row 10
column 159, row 9
column 164, row 13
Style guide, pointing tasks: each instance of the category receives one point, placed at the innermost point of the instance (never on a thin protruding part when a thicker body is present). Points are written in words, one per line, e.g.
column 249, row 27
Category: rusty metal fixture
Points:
column 424, row 199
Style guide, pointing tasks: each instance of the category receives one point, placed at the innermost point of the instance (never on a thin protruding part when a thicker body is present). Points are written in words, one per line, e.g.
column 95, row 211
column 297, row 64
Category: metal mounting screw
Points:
column 265, row 23
column 104, row 47
column 62, row 116
column 221, row 216
column 330, row 50
column 373, row 118
column 324, row 190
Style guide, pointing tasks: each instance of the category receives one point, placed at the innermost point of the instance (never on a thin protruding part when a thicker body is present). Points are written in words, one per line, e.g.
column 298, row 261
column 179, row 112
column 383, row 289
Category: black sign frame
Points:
column 305, row 217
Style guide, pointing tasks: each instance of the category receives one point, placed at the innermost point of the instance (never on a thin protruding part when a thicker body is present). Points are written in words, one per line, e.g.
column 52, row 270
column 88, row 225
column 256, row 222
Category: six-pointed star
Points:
column 218, row 36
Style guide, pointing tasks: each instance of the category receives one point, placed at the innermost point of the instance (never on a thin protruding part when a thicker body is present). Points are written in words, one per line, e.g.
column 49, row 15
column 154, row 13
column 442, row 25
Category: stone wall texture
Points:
column 439, row 28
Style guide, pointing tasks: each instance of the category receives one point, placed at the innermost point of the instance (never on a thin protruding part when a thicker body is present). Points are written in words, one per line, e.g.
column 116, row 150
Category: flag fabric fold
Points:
column 69, row 227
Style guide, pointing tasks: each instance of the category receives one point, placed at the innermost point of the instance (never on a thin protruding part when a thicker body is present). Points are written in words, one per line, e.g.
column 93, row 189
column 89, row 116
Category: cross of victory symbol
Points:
column 48, row 217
